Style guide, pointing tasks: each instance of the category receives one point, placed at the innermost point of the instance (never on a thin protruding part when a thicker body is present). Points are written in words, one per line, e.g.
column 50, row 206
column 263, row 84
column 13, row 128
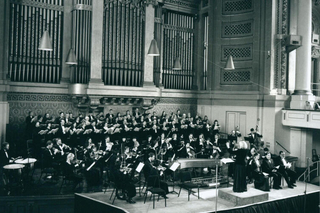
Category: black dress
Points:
column 239, row 178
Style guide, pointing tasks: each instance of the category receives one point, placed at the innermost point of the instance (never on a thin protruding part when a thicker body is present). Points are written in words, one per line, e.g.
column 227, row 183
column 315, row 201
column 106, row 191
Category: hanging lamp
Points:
column 177, row 64
column 45, row 42
column 71, row 58
column 153, row 49
column 229, row 64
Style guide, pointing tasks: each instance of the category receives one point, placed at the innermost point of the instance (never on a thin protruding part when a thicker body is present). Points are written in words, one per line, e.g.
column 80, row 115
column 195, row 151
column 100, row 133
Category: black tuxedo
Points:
column 4, row 159
column 48, row 157
column 254, row 139
column 289, row 175
column 268, row 167
column 149, row 170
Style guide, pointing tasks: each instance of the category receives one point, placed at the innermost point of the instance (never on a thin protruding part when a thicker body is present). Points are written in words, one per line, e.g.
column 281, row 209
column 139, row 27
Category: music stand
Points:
column 139, row 169
column 173, row 168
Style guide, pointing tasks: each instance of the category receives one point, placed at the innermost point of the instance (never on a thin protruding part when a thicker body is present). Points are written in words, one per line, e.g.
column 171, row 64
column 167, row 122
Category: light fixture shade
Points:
column 229, row 64
column 71, row 59
column 177, row 64
column 153, row 49
column 45, row 42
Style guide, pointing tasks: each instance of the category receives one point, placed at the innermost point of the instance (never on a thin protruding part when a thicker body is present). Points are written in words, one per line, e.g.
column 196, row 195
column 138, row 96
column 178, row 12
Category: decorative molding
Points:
column 237, row 6
column 38, row 4
column 158, row 20
column 181, row 29
column 315, row 52
column 182, row 3
column 280, row 76
column 38, row 97
column 82, row 7
column 149, row 103
column 190, row 7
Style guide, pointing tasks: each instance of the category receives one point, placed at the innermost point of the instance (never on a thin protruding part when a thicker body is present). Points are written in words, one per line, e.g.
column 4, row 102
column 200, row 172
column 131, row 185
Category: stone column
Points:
column 148, row 36
column 96, row 42
column 302, row 92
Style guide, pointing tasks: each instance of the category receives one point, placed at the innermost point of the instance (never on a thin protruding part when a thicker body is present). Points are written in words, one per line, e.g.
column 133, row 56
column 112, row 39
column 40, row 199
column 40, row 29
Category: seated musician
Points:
column 268, row 167
column 285, row 170
column 5, row 157
column 216, row 153
column 260, row 179
column 181, row 150
column 216, row 127
column 208, row 149
column 167, row 152
column 69, row 169
column 49, row 156
column 150, row 170
column 249, row 158
column 124, row 182
column 106, row 146
column 194, row 144
column 62, row 148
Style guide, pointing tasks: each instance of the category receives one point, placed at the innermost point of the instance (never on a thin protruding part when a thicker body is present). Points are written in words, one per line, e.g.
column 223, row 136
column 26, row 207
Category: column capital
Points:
column 152, row 2
column 315, row 52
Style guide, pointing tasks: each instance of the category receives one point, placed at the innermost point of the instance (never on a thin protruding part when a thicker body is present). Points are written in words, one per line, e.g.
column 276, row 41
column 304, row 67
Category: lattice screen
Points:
column 237, row 6
column 236, row 77
column 237, row 29
column 238, row 53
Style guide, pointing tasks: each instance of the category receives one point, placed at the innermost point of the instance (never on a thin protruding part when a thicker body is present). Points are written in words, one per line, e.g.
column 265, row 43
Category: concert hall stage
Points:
column 286, row 198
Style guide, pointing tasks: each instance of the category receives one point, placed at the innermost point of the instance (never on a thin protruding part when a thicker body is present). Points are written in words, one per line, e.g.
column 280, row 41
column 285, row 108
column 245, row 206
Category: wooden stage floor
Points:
column 206, row 203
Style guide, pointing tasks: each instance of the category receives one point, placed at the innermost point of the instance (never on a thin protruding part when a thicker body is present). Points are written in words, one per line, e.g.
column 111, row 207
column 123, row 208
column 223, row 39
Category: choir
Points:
column 88, row 145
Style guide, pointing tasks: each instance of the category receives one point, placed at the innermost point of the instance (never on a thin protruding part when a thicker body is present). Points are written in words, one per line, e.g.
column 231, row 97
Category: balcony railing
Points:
column 301, row 118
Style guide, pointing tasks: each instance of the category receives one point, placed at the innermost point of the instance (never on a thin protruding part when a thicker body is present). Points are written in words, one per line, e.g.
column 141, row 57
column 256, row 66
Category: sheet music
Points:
column 226, row 160
column 140, row 167
column 174, row 166
column 265, row 174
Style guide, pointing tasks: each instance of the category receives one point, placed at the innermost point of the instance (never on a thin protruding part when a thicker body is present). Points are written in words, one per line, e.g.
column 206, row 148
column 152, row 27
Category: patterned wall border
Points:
column 34, row 97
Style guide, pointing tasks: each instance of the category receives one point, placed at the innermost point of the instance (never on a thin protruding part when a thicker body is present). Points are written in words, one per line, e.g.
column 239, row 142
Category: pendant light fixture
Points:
column 153, row 49
column 45, row 41
column 229, row 64
column 177, row 64
column 71, row 58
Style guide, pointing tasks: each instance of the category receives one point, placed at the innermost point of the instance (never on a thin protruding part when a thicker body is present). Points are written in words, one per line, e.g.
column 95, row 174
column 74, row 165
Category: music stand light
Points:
column 139, row 169
column 173, row 168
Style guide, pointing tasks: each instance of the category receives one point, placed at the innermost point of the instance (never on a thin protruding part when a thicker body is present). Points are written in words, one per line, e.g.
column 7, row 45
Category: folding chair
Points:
column 186, row 183
column 153, row 186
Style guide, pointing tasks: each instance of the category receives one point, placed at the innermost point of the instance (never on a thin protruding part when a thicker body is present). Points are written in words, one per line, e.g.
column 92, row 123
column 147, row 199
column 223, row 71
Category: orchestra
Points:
column 85, row 145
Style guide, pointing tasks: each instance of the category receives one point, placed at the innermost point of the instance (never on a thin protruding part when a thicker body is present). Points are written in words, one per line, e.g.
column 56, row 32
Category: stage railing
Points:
column 313, row 168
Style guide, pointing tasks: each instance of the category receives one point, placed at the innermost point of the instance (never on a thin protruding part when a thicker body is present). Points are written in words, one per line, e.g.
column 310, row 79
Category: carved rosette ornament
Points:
column 315, row 52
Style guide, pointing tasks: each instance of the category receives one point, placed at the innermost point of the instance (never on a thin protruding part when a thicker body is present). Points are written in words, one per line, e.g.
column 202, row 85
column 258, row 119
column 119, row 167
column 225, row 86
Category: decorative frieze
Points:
column 315, row 52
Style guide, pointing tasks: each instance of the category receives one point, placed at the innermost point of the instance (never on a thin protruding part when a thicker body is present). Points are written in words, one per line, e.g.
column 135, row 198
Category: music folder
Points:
column 174, row 166
column 140, row 167
column 226, row 160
